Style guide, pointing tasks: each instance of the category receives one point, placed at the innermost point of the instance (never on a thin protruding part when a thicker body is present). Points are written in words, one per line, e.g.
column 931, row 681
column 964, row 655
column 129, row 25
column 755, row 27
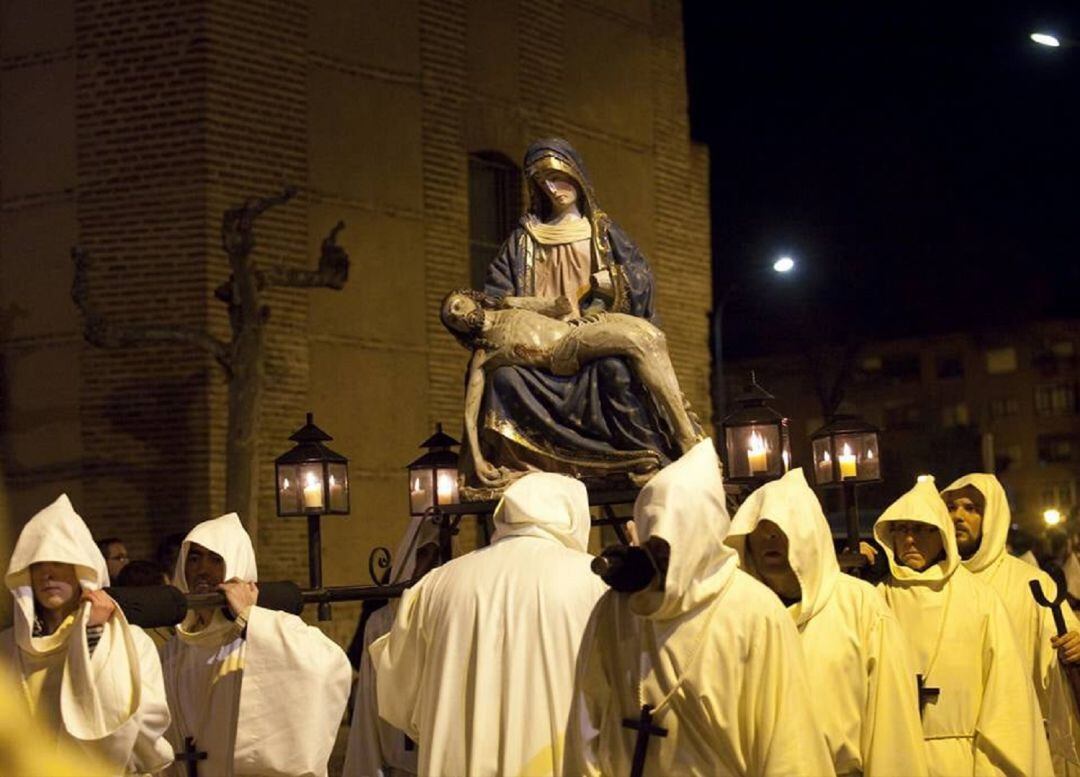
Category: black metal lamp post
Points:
column 312, row 481
column 847, row 454
column 757, row 443
column 433, row 482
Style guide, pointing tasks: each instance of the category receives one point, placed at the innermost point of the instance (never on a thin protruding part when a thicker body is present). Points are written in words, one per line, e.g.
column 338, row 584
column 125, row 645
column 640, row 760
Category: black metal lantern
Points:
column 433, row 478
column 846, row 450
column 757, row 444
column 311, row 478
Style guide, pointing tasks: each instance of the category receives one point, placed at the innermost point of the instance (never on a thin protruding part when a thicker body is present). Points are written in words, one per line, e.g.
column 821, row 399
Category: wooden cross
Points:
column 926, row 694
column 645, row 728
column 190, row 756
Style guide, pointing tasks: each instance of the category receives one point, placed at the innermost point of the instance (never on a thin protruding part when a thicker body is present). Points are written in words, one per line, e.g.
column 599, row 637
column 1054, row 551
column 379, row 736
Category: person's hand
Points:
column 868, row 550
column 562, row 307
column 1068, row 647
column 239, row 594
column 102, row 607
column 489, row 474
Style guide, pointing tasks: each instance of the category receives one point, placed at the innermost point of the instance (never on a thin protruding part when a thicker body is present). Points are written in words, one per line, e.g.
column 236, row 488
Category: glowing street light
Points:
column 1045, row 39
column 1052, row 517
column 784, row 264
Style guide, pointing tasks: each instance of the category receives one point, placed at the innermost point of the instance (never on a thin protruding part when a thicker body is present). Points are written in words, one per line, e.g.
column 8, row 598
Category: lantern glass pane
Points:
column 311, row 476
column 420, row 492
column 754, row 451
column 289, row 491
column 823, row 461
column 858, row 456
column 448, row 485
column 338, row 483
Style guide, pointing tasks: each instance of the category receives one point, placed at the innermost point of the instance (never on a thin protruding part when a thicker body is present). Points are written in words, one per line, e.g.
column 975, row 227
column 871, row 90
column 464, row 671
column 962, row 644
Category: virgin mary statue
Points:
column 600, row 423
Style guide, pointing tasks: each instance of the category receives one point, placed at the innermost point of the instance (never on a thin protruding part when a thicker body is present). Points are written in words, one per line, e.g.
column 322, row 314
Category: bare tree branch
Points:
column 103, row 333
column 237, row 224
column 332, row 273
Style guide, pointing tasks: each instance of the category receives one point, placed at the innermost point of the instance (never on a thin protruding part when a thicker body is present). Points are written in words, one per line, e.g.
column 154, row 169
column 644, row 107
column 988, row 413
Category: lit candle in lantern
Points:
column 755, row 454
column 313, row 492
column 847, row 463
column 336, row 491
column 445, row 486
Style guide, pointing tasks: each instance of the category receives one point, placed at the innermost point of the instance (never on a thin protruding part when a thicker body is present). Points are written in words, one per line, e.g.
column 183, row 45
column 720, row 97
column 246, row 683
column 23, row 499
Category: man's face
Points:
column 464, row 313
column 55, row 585
column 966, row 506
column 559, row 188
column 204, row 570
column 769, row 548
column 116, row 559
column 915, row 544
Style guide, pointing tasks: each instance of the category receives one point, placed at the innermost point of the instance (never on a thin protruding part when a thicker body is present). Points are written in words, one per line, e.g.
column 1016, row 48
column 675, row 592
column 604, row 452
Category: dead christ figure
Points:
column 531, row 332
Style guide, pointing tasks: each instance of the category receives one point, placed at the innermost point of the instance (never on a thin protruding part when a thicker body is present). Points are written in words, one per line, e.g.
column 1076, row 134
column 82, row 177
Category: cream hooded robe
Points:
column 1032, row 624
column 265, row 703
column 375, row 748
column 110, row 702
column 715, row 653
column 479, row 665
column 861, row 682
column 986, row 720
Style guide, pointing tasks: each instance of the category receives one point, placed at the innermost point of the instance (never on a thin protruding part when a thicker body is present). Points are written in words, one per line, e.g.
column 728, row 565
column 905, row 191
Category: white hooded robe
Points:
column 110, row 702
column 986, row 719
column 1033, row 625
column 865, row 702
column 268, row 702
column 715, row 653
column 375, row 748
column 479, row 665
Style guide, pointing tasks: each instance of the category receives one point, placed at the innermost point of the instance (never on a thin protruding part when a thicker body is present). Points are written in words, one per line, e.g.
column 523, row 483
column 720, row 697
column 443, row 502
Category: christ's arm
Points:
column 559, row 307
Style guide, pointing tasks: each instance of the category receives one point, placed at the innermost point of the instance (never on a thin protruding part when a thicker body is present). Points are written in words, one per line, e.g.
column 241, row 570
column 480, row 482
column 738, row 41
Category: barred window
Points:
column 494, row 207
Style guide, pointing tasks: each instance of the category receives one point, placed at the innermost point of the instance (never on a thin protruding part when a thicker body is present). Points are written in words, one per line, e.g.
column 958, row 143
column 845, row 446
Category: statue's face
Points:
column 916, row 544
column 464, row 314
column 55, row 585
column 559, row 188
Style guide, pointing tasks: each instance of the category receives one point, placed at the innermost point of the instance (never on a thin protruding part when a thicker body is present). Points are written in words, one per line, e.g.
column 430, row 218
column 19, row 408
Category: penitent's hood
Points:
column 683, row 504
column 921, row 504
column 996, row 519
column 543, row 504
column 226, row 537
column 56, row 534
column 792, row 505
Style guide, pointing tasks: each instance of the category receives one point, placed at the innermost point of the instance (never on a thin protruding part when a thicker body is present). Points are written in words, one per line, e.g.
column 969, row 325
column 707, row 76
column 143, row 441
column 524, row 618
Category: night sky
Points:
column 920, row 163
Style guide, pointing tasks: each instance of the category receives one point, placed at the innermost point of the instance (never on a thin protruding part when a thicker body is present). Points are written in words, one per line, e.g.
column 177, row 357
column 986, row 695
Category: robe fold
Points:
column 478, row 667
column 267, row 701
column 109, row 701
column 1033, row 625
column 986, row 719
column 865, row 702
column 713, row 651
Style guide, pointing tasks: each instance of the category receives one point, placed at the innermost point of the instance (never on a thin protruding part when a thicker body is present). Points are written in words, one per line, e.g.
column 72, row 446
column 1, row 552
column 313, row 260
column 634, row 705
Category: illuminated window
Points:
column 1056, row 399
column 1000, row 360
column 955, row 415
column 494, row 208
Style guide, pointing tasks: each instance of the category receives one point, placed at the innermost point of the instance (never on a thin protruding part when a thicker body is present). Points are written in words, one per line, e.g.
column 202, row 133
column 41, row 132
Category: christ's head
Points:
column 463, row 314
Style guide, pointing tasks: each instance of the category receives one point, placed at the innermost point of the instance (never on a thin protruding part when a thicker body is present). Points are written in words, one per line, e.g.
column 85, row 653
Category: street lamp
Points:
column 782, row 265
column 1052, row 517
column 757, row 444
column 1045, row 39
column 433, row 477
column 312, row 481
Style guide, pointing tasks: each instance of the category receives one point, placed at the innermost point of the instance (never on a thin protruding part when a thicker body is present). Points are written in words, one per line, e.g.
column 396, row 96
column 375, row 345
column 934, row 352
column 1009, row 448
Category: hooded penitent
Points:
column 109, row 699
column 985, row 718
column 711, row 650
column 599, row 421
column 864, row 700
column 263, row 699
column 478, row 666
column 1034, row 625
column 374, row 746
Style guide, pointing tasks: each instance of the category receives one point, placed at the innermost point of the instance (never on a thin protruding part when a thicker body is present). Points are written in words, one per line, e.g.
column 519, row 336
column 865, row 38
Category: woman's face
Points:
column 55, row 585
column 559, row 188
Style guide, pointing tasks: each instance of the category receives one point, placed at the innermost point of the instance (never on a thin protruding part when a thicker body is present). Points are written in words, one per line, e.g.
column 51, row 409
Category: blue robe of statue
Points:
column 600, row 422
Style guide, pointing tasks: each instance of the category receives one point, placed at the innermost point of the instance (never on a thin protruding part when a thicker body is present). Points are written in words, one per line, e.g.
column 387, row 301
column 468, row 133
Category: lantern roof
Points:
column 439, row 440
column 438, row 452
column 845, row 423
column 309, row 446
column 752, row 408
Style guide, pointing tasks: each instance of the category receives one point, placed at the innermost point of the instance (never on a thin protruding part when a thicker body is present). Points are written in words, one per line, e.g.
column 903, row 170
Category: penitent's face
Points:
column 55, row 585
column 769, row 548
column 204, row 570
column 966, row 506
column 916, row 544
